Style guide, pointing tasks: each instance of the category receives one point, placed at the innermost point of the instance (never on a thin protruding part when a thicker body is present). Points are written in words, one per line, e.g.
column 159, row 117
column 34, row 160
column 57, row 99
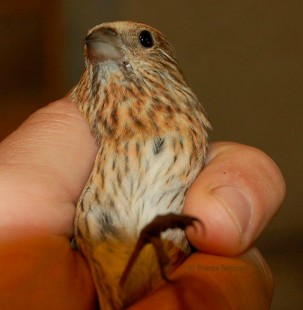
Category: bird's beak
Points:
column 104, row 44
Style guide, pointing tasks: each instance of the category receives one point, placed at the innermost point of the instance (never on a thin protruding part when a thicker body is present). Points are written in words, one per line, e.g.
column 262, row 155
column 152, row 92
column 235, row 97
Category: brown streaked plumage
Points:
column 151, row 133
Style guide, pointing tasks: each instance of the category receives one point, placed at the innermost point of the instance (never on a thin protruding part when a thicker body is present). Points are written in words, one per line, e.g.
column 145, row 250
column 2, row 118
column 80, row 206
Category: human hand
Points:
column 43, row 168
column 235, row 197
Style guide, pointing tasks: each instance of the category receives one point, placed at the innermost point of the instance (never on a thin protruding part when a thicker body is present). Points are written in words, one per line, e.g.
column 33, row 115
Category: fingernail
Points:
column 237, row 206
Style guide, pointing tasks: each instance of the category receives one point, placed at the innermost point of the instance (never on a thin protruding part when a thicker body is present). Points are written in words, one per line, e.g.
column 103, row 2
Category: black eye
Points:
column 146, row 39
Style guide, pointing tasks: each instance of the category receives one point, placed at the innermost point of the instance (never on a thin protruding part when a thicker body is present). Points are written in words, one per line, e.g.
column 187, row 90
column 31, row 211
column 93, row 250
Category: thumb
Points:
column 235, row 197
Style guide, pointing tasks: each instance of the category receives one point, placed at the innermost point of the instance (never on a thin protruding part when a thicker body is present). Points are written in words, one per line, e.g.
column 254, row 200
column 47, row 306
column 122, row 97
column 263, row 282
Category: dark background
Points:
column 242, row 58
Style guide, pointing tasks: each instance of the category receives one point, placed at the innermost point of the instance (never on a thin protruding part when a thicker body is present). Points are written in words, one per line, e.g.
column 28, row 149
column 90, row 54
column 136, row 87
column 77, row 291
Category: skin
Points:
column 43, row 167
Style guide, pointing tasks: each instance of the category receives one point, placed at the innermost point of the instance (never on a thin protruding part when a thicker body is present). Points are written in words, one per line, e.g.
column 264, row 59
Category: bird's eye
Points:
column 146, row 39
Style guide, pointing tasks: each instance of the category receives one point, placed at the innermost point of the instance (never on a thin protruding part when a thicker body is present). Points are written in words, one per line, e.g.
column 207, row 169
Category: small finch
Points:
column 151, row 132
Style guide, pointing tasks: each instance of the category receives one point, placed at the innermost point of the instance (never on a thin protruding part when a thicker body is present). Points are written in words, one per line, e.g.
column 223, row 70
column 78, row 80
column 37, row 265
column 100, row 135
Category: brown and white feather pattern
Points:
column 151, row 133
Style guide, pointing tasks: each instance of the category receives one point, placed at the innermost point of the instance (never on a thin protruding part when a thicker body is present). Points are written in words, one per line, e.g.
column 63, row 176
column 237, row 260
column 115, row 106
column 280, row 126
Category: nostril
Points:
column 109, row 31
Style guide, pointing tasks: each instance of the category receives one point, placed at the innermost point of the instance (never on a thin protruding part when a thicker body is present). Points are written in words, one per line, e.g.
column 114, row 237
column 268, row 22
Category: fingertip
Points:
column 217, row 231
column 254, row 257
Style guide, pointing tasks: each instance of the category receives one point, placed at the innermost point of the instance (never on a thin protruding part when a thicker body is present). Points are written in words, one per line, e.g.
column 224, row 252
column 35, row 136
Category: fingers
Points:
column 215, row 282
column 44, row 273
column 235, row 196
column 43, row 164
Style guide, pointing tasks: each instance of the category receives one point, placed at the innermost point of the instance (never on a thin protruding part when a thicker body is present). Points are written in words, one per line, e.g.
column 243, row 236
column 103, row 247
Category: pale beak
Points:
column 104, row 44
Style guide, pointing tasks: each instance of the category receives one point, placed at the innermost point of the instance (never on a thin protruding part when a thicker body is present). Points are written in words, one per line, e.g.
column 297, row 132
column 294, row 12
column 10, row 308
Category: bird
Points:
column 152, row 137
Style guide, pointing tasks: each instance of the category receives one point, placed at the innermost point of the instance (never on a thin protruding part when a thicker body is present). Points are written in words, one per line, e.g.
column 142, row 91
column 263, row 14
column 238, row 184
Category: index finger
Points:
column 44, row 165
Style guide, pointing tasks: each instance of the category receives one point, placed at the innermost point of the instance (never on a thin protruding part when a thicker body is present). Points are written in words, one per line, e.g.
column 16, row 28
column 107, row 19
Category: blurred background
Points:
column 242, row 58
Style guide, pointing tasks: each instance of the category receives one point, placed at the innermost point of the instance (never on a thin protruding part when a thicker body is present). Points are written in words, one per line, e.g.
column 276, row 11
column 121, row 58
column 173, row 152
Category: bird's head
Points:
column 132, row 83
column 132, row 48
